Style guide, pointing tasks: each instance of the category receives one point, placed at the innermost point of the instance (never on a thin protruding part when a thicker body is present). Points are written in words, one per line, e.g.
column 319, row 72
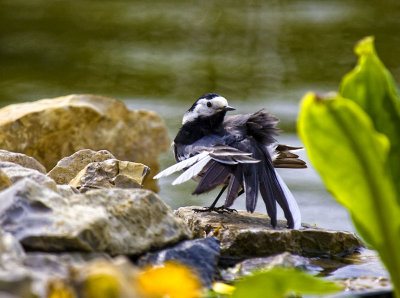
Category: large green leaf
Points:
column 371, row 86
column 278, row 282
column 350, row 156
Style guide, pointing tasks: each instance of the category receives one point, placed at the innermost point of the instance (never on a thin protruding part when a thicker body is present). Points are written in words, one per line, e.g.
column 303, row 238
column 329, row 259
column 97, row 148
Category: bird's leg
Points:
column 212, row 206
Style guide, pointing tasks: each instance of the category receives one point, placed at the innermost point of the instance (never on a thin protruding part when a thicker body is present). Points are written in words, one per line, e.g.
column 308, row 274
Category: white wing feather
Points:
column 293, row 207
column 181, row 165
column 192, row 171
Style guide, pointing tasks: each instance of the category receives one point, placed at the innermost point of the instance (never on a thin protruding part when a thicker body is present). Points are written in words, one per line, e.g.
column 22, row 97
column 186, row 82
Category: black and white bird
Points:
column 237, row 152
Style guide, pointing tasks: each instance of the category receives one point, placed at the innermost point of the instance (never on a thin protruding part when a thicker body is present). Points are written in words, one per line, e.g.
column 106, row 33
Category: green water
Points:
column 162, row 55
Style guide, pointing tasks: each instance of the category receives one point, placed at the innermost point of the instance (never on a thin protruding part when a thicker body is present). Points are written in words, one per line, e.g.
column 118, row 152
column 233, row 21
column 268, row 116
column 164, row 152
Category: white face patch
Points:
column 205, row 107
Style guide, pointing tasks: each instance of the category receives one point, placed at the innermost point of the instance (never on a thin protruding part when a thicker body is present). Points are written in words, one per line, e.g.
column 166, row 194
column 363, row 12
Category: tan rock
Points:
column 22, row 159
column 4, row 180
column 51, row 129
column 68, row 167
column 243, row 234
column 110, row 173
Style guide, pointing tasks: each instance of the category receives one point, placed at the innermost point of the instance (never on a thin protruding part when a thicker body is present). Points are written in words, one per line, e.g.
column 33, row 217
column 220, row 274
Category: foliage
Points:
column 355, row 146
column 279, row 282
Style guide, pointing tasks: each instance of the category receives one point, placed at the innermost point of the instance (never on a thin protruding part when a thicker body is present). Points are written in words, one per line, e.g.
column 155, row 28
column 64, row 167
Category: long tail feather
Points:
column 292, row 204
column 250, row 179
column 267, row 196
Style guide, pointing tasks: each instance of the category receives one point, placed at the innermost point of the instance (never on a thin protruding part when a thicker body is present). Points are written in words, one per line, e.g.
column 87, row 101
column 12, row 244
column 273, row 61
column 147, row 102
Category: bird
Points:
column 237, row 152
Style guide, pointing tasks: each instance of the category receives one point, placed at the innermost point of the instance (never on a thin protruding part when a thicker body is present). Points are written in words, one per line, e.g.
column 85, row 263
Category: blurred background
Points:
column 163, row 54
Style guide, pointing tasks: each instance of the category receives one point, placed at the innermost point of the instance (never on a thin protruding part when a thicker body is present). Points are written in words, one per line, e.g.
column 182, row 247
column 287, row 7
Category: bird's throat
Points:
column 194, row 130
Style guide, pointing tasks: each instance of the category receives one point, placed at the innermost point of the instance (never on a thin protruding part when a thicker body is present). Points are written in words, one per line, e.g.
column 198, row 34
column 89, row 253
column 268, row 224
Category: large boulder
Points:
column 116, row 221
column 50, row 129
column 244, row 235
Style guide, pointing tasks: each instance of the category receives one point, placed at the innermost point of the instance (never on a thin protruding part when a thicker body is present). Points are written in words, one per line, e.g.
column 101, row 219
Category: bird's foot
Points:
column 219, row 210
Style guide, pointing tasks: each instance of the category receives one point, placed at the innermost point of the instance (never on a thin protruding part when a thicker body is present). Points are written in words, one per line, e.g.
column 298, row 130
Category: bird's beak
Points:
column 229, row 108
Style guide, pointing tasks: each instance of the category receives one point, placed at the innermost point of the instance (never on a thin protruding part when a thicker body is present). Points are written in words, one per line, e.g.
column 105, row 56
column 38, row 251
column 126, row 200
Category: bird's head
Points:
column 206, row 106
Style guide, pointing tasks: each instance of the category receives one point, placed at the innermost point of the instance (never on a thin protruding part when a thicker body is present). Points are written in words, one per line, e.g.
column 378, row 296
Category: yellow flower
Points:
column 171, row 280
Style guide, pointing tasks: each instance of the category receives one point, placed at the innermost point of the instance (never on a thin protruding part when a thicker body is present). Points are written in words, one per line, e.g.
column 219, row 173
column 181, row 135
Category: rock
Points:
column 116, row 221
column 200, row 254
column 4, row 180
column 110, row 173
column 50, row 129
column 68, row 167
column 23, row 160
column 16, row 172
column 243, row 235
column 256, row 264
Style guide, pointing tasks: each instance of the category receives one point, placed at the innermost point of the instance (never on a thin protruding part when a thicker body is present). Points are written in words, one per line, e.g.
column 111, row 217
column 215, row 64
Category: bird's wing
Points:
column 194, row 165
column 181, row 165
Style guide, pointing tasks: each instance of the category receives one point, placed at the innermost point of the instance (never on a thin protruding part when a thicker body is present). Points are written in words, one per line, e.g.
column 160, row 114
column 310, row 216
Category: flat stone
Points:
column 68, row 167
column 200, row 254
column 50, row 129
column 110, row 173
column 243, row 235
column 16, row 172
column 23, row 160
column 116, row 221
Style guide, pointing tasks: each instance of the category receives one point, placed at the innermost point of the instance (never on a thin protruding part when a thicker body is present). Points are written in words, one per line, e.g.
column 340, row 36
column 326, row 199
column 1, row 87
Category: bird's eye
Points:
column 209, row 104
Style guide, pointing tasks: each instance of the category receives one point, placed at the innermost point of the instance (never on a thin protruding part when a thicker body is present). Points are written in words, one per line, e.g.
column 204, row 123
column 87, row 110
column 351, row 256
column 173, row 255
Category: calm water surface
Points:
column 162, row 55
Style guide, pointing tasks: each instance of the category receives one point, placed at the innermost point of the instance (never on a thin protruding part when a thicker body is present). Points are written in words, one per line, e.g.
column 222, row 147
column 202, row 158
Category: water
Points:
column 163, row 54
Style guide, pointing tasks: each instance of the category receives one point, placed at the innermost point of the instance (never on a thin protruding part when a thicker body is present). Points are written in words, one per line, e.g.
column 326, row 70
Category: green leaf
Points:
column 371, row 86
column 278, row 282
column 350, row 155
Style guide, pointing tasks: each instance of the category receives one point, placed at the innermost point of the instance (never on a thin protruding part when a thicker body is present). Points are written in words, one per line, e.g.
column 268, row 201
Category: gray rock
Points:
column 68, row 167
column 17, row 172
column 243, row 235
column 23, row 160
column 200, row 254
column 110, row 173
column 116, row 221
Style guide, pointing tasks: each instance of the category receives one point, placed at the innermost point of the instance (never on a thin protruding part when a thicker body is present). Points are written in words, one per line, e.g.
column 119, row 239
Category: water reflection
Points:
column 174, row 49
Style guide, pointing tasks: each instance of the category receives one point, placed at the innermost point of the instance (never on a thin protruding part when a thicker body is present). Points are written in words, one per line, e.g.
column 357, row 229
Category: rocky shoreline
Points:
column 68, row 212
